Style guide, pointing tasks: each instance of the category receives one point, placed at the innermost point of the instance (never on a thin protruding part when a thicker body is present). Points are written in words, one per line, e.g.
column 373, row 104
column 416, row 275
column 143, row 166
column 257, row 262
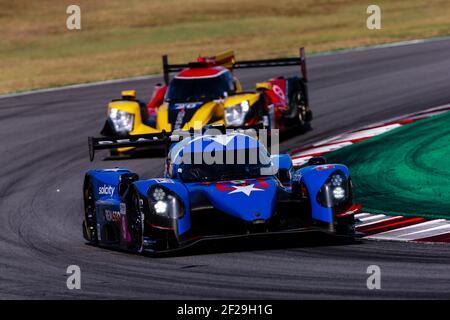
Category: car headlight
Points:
column 235, row 115
column 165, row 203
column 122, row 121
column 335, row 191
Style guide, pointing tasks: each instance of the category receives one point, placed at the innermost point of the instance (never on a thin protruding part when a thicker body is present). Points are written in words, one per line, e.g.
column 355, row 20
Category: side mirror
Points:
column 284, row 164
column 282, row 161
column 237, row 85
column 263, row 86
column 315, row 161
column 125, row 181
column 284, row 175
column 129, row 94
column 168, row 169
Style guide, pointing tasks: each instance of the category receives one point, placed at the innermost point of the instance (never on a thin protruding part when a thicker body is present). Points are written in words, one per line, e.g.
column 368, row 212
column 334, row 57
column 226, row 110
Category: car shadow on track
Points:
column 303, row 240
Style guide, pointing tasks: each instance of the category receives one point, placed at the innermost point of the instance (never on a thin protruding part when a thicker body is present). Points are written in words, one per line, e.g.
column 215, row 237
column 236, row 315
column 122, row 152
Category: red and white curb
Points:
column 302, row 155
column 401, row 228
column 380, row 226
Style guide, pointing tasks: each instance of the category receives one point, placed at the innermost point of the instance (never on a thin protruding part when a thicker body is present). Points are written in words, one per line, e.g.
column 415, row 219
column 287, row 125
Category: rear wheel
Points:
column 114, row 153
column 90, row 215
column 302, row 115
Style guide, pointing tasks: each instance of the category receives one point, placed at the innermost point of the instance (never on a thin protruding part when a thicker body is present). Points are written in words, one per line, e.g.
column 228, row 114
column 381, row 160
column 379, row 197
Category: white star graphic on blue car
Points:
column 245, row 189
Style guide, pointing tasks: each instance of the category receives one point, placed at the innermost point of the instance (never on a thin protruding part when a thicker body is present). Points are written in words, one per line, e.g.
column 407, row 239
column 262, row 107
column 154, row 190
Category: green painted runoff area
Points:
column 403, row 172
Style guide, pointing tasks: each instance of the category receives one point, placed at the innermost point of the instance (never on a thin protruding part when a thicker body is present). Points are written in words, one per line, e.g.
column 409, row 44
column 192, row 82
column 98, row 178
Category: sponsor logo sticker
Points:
column 106, row 190
column 123, row 209
column 185, row 106
column 325, row 167
column 163, row 180
column 112, row 215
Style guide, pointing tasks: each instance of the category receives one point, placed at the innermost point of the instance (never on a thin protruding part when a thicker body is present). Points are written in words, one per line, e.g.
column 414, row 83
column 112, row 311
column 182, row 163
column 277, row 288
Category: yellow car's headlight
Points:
column 122, row 121
column 235, row 115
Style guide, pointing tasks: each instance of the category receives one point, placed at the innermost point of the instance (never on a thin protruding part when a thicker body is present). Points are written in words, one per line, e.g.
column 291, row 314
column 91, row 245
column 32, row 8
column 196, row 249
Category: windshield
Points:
column 199, row 89
column 225, row 171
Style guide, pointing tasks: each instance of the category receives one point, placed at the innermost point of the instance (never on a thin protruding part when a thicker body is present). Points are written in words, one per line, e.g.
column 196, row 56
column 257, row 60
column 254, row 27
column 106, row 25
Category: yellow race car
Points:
column 206, row 92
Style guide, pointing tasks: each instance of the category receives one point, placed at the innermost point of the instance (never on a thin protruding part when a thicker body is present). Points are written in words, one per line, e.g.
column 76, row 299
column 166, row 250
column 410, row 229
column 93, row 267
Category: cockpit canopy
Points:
column 219, row 157
column 201, row 84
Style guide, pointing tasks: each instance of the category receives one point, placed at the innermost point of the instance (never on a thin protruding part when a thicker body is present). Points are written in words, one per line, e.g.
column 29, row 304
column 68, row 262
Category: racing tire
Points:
column 303, row 114
column 114, row 153
column 135, row 218
column 90, row 214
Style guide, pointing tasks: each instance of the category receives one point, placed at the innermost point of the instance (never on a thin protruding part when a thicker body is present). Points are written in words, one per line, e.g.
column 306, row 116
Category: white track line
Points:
column 379, row 220
column 363, row 134
column 322, row 149
column 441, row 229
column 373, row 217
column 430, row 114
column 404, row 234
column 411, row 229
column 300, row 161
column 362, row 215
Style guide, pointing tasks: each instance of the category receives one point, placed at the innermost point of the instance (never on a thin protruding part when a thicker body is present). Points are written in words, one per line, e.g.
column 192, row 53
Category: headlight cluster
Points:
column 335, row 191
column 235, row 115
column 165, row 203
column 122, row 121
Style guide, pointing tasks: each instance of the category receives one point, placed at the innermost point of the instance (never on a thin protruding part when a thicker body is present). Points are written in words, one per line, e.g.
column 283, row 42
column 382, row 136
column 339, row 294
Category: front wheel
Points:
column 135, row 218
column 90, row 215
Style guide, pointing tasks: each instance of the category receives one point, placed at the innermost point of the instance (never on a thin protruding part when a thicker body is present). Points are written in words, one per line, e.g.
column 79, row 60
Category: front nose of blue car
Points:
column 249, row 200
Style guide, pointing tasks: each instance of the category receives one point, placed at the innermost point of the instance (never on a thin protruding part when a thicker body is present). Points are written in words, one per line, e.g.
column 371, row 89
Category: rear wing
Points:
column 158, row 139
column 227, row 60
column 283, row 62
column 164, row 139
column 171, row 68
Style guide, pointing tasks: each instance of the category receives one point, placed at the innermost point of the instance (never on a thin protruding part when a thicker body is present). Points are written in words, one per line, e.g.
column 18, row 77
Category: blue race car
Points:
column 249, row 195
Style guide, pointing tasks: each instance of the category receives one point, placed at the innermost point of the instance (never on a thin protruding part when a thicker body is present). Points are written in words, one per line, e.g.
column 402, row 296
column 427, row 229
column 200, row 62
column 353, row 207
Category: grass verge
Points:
column 123, row 39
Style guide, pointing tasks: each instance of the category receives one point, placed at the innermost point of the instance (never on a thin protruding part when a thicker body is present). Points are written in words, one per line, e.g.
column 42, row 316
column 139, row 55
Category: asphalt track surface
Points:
column 44, row 156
